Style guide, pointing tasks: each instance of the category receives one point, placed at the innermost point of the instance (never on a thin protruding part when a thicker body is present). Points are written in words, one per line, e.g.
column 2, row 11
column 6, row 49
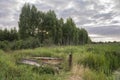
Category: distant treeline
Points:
column 46, row 28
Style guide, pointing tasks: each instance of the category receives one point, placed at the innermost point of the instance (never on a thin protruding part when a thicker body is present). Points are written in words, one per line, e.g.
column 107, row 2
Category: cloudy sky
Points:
column 101, row 18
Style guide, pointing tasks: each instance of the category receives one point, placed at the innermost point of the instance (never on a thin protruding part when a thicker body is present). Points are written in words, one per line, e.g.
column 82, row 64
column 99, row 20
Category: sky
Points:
column 101, row 18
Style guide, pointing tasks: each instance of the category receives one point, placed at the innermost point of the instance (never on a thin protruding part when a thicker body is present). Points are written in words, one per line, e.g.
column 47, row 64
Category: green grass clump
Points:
column 94, row 61
column 44, row 70
column 94, row 75
column 101, row 58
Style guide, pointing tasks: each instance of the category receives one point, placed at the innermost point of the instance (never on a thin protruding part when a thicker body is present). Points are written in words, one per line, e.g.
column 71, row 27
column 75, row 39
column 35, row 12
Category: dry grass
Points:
column 77, row 73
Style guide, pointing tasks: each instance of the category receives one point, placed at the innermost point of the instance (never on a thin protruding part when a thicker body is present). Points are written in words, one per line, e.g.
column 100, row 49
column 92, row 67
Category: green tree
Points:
column 83, row 36
column 33, row 21
column 69, row 32
column 48, row 28
column 50, row 24
column 24, row 21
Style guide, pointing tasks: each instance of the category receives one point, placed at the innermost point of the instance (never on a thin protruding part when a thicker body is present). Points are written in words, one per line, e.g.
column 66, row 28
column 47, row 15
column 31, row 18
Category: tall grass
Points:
column 98, row 63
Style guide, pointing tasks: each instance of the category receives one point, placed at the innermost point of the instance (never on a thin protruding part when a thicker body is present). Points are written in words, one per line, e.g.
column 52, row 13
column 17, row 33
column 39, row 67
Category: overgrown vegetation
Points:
column 90, row 62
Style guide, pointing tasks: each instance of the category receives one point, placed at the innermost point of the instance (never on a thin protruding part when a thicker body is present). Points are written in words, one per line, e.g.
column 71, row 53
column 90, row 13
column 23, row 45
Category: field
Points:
column 90, row 62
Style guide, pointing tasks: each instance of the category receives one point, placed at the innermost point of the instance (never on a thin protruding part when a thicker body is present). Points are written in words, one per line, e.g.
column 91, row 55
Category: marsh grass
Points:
column 90, row 62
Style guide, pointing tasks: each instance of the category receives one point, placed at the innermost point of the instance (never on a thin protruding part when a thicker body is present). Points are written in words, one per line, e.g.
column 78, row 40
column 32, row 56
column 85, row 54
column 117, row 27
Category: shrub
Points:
column 16, row 44
column 25, row 44
column 4, row 45
column 44, row 70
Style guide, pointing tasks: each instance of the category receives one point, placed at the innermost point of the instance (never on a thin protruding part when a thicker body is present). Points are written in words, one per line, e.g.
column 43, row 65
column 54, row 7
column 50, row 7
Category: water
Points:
column 30, row 62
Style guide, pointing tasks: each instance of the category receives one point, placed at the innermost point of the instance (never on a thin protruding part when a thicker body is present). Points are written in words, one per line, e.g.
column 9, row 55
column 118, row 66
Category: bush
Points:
column 16, row 44
column 48, row 42
column 20, row 44
column 44, row 70
column 25, row 44
column 4, row 45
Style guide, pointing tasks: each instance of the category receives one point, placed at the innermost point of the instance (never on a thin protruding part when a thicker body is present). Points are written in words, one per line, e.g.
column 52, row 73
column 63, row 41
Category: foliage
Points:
column 47, row 27
column 37, row 28
column 20, row 44
column 9, row 35
column 25, row 44
column 102, row 59
column 99, row 63
column 44, row 70
column 4, row 45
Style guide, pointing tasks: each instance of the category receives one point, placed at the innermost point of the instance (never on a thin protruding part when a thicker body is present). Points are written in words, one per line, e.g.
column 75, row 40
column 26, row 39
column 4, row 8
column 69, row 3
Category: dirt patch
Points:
column 76, row 73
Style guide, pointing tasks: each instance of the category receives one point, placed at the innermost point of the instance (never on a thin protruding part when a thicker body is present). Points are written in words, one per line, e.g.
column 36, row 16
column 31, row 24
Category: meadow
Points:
column 90, row 62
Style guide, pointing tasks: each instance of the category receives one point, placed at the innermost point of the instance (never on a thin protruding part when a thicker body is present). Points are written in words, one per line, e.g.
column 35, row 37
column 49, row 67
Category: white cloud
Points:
column 98, row 38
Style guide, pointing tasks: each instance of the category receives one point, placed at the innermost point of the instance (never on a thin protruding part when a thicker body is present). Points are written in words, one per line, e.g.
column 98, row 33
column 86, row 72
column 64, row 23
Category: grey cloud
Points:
column 115, row 21
column 82, row 11
column 104, row 16
column 7, row 13
column 108, row 31
column 43, row 7
column 117, row 2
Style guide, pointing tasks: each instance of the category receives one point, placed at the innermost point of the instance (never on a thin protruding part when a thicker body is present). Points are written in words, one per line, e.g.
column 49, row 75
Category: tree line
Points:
column 9, row 35
column 46, row 28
